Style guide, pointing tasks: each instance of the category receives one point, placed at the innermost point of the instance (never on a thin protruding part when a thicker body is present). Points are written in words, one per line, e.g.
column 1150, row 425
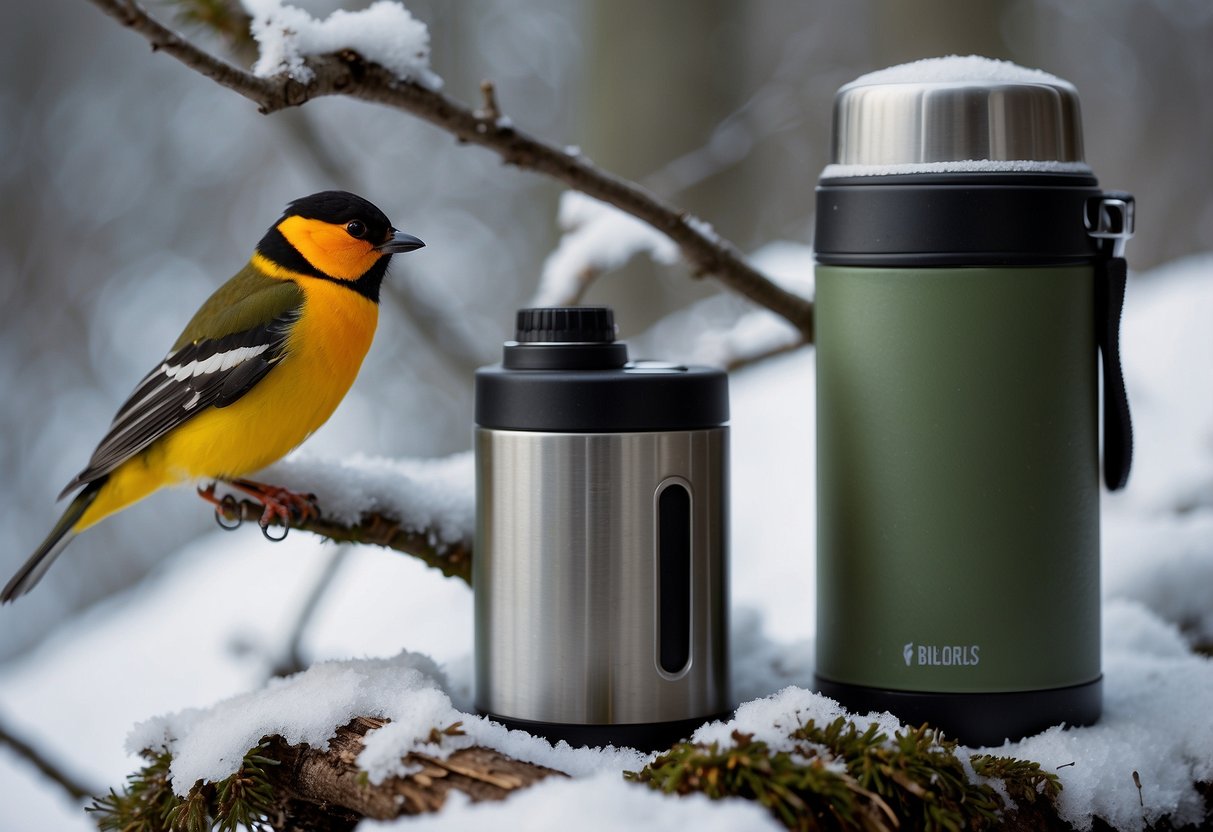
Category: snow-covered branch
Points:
column 597, row 239
column 373, row 528
column 330, row 778
column 301, row 76
column 421, row 507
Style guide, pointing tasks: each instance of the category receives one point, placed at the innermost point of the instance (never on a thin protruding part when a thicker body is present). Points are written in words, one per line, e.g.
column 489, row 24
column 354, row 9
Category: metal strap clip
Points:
column 1110, row 217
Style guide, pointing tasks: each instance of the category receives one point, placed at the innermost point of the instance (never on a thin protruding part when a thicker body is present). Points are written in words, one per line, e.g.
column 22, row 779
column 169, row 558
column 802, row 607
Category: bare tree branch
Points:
column 455, row 561
column 737, row 362
column 347, row 73
column 44, row 765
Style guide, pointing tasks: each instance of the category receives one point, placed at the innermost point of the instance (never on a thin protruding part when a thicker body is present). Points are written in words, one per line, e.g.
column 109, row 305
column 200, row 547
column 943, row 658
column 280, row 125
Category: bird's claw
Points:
column 229, row 506
column 266, row 525
column 280, row 506
column 284, row 513
column 226, row 507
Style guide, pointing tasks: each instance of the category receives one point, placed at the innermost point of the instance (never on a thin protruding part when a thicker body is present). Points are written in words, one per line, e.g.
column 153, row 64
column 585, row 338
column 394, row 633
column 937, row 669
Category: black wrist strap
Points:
column 1110, row 278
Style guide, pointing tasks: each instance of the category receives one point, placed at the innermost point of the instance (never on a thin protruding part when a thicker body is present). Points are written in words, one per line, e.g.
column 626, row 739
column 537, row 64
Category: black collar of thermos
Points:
column 638, row 397
column 966, row 219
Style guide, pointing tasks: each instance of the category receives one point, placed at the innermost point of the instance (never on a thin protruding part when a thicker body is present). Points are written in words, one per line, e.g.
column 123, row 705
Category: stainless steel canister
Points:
column 601, row 576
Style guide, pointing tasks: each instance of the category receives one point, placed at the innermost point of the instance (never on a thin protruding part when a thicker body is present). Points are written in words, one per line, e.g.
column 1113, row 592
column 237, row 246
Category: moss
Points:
column 838, row 776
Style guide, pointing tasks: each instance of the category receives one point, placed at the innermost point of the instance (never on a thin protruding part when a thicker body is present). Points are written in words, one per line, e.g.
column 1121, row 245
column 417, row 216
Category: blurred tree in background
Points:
column 131, row 187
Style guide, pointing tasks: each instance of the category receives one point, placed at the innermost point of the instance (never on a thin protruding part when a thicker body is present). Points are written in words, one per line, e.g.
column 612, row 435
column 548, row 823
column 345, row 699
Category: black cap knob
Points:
column 566, row 325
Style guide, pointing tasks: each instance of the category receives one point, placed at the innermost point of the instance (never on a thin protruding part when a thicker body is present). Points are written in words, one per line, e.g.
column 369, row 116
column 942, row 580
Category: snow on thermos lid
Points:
column 953, row 114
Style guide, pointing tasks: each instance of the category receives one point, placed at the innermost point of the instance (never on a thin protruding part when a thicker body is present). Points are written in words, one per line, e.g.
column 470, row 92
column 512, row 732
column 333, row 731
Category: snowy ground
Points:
column 214, row 620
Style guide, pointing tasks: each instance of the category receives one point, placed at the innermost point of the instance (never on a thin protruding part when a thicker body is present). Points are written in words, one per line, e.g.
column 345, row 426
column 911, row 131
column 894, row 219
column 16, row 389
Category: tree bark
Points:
column 329, row 785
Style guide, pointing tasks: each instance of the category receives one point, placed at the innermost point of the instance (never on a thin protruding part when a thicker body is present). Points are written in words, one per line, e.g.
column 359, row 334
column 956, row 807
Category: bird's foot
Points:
column 279, row 504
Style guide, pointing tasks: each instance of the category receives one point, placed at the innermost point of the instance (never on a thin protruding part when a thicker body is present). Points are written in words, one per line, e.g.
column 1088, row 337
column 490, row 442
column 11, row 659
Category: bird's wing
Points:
column 204, row 373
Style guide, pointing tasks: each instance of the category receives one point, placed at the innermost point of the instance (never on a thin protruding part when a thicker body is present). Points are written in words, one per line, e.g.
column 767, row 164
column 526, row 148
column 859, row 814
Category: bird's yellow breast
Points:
column 324, row 352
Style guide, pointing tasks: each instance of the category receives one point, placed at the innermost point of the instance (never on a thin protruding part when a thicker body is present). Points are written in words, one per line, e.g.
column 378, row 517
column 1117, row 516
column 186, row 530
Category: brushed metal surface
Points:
column 908, row 123
column 566, row 582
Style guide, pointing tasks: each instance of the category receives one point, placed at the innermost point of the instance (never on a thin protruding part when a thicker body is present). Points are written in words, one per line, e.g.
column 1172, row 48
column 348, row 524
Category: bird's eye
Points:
column 356, row 229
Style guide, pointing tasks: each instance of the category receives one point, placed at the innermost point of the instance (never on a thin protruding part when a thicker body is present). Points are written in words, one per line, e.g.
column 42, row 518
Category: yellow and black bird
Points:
column 261, row 365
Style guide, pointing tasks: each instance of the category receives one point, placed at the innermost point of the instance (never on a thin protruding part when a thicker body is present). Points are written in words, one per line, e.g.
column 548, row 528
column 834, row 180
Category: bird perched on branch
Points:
column 261, row 365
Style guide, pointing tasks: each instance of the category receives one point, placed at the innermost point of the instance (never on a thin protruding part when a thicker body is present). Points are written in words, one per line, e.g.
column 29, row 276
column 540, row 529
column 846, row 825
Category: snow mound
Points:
column 953, row 69
column 1155, row 726
column 384, row 33
column 208, row 744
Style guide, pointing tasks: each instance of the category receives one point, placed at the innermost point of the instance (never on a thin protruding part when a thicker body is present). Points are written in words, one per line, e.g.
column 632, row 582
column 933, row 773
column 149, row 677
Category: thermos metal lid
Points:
column 957, row 162
column 957, row 109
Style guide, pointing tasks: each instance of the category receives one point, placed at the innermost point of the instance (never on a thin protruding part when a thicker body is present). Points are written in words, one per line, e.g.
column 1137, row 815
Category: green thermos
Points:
column 970, row 272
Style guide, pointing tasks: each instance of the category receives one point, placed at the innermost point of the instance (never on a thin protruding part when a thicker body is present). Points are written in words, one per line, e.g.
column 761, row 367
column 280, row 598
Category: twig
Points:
column 292, row 659
column 490, row 111
column 575, row 290
column 455, row 560
column 51, row 771
column 347, row 73
column 737, row 362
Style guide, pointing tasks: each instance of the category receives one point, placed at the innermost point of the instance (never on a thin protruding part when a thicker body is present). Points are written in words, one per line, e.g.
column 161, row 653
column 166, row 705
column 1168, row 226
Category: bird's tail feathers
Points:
column 61, row 535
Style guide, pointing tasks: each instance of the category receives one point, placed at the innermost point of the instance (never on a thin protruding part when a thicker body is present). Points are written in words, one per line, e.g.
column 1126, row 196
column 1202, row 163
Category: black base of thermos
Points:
column 645, row 736
column 977, row 719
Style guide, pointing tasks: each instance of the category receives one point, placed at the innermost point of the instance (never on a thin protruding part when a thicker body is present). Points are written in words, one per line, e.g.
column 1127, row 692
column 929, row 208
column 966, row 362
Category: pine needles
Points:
column 147, row 803
column 839, row 778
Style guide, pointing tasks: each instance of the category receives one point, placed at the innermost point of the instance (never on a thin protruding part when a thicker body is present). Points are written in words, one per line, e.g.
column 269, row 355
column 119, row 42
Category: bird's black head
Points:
column 342, row 208
column 336, row 235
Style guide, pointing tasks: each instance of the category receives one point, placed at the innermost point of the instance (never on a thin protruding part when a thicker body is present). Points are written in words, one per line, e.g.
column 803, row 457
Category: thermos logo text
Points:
column 941, row 655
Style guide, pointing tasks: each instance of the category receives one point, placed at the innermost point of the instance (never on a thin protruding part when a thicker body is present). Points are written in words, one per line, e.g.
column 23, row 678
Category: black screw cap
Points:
column 565, row 325
column 565, row 372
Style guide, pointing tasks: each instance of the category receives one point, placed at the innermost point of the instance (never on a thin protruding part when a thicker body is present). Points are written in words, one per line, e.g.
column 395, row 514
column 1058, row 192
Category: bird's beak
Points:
column 399, row 243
